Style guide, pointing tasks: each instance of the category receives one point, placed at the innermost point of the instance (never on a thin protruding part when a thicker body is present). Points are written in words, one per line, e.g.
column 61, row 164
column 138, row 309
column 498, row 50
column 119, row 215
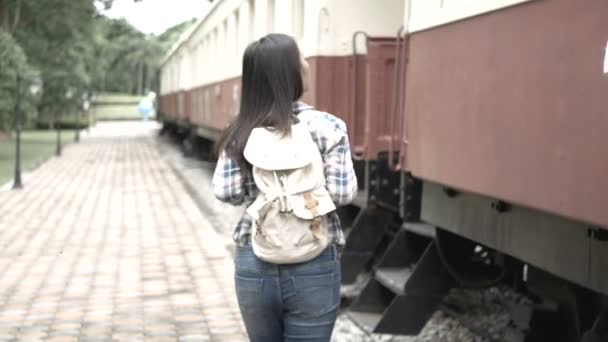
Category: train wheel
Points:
column 469, row 263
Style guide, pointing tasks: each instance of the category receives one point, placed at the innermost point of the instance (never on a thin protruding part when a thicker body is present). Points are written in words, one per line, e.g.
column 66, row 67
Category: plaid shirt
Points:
column 231, row 185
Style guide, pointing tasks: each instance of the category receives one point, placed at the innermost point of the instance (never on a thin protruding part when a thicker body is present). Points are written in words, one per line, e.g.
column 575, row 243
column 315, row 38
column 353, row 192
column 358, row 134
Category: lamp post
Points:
column 77, row 126
column 89, row 111
column 68, row 96
column 34, row 88
column 17, row 184
column 85, row 108
column 58, row 128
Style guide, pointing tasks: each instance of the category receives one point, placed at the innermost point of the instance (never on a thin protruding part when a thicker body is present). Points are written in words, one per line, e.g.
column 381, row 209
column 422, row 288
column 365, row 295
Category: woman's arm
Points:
column 228, row 181
column 330, row 135
column 339, row 173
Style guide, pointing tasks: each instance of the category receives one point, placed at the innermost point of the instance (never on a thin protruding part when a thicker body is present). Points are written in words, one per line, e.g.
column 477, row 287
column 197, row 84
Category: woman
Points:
column 283, row 302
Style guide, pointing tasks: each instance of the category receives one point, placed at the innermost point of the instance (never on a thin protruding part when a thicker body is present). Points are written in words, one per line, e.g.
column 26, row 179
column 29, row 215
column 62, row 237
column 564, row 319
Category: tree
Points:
column 107, row 4
column 55, row 35
column 13, row 64
column 75, row 50
column 130, row 57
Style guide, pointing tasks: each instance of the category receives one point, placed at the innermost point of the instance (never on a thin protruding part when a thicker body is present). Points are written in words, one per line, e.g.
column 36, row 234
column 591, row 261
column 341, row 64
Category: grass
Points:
column 36, row 147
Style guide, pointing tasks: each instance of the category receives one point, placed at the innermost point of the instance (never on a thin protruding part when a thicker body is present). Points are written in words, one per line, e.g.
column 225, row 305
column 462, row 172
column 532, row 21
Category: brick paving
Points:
column 105, row 244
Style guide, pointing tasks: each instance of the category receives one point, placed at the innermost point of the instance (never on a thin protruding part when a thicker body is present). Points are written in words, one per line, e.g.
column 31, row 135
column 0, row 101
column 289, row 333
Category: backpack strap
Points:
column 312, row 205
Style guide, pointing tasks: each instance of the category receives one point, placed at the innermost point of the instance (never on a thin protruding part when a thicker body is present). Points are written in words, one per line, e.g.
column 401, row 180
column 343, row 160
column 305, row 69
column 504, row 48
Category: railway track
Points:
column 496, row 314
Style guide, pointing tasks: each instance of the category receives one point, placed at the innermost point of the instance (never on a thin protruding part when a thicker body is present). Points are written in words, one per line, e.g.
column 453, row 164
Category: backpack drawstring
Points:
column 285, row 208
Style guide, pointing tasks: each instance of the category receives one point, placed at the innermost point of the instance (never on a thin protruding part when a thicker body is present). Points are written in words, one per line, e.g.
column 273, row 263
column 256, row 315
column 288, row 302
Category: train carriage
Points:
column 477, row 133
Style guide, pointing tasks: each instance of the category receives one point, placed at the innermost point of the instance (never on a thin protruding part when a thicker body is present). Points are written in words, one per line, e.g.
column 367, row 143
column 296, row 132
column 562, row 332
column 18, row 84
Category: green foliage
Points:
column 171, row 35
column 75, row 51
column 57, row 43
column 107, row 4
column 131, row 59
column 13, row 62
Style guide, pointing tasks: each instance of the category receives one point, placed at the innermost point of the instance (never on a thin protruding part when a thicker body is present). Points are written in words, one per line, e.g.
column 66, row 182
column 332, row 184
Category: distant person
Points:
column 292, row 166
column 146, row 106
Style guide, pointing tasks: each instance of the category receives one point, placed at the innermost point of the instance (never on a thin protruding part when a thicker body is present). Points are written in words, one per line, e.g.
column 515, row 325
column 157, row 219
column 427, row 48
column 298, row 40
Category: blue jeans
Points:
column 295, row 302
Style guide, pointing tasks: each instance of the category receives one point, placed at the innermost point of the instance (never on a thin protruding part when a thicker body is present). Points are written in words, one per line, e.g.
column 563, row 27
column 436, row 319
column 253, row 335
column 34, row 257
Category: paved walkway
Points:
column 105, row 244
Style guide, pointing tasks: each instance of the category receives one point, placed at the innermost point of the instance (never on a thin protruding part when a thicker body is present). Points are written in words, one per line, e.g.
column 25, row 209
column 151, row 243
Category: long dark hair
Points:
column 271, row 82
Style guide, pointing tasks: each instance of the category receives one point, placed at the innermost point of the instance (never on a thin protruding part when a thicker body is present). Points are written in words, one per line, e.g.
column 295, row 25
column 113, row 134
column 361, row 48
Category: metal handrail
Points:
column 397, row 103
column 357, row 155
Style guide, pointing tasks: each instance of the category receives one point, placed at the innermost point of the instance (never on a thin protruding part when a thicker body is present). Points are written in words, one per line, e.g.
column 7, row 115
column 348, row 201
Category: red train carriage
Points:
column 476, row 133
column 503, row 125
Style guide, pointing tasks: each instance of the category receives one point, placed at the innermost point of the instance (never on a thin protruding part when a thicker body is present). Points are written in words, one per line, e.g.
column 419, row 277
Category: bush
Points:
column 65, row 123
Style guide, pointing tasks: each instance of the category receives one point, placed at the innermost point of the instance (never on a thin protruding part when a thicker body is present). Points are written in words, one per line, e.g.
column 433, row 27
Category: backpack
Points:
column 288, row 215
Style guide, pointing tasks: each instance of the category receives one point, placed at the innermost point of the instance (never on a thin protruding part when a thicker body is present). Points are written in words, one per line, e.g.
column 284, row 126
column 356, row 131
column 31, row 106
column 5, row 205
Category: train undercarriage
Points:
column 414, row 241
column 410, row 243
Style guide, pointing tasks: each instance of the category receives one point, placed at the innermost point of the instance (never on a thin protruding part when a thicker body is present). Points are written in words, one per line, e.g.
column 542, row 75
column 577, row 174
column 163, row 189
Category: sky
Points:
column 155, row 16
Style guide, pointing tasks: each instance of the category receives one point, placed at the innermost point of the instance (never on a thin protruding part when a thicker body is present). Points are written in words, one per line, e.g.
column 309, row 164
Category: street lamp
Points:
column 85, row 108
column 89, row 111
column 34, row 88
column 68, row 96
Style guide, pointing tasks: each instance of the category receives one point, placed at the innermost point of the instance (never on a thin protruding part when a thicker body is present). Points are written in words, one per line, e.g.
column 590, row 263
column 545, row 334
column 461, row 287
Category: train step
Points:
column 367, row 231
column 349, row 292
column 365, row 320
column 408, row 285
column 420, row 228
column 394, row 278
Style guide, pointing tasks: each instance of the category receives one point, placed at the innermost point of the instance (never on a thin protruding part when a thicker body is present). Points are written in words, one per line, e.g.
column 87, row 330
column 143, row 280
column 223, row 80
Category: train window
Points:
column 183, row 66
column 270, row 17
column 214, row 48
column 223, row 42
column 175, row 75
column 236, row 33
column 251, row 20
column 324, row 31
column 207, row 56
column 199, row 61
column 298, row 18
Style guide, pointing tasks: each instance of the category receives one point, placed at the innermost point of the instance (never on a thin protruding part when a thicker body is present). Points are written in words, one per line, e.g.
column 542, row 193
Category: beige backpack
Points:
column 289, row 224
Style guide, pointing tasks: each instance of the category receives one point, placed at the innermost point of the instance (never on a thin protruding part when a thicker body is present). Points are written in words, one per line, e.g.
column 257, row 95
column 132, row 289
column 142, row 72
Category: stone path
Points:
column 104, row 244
